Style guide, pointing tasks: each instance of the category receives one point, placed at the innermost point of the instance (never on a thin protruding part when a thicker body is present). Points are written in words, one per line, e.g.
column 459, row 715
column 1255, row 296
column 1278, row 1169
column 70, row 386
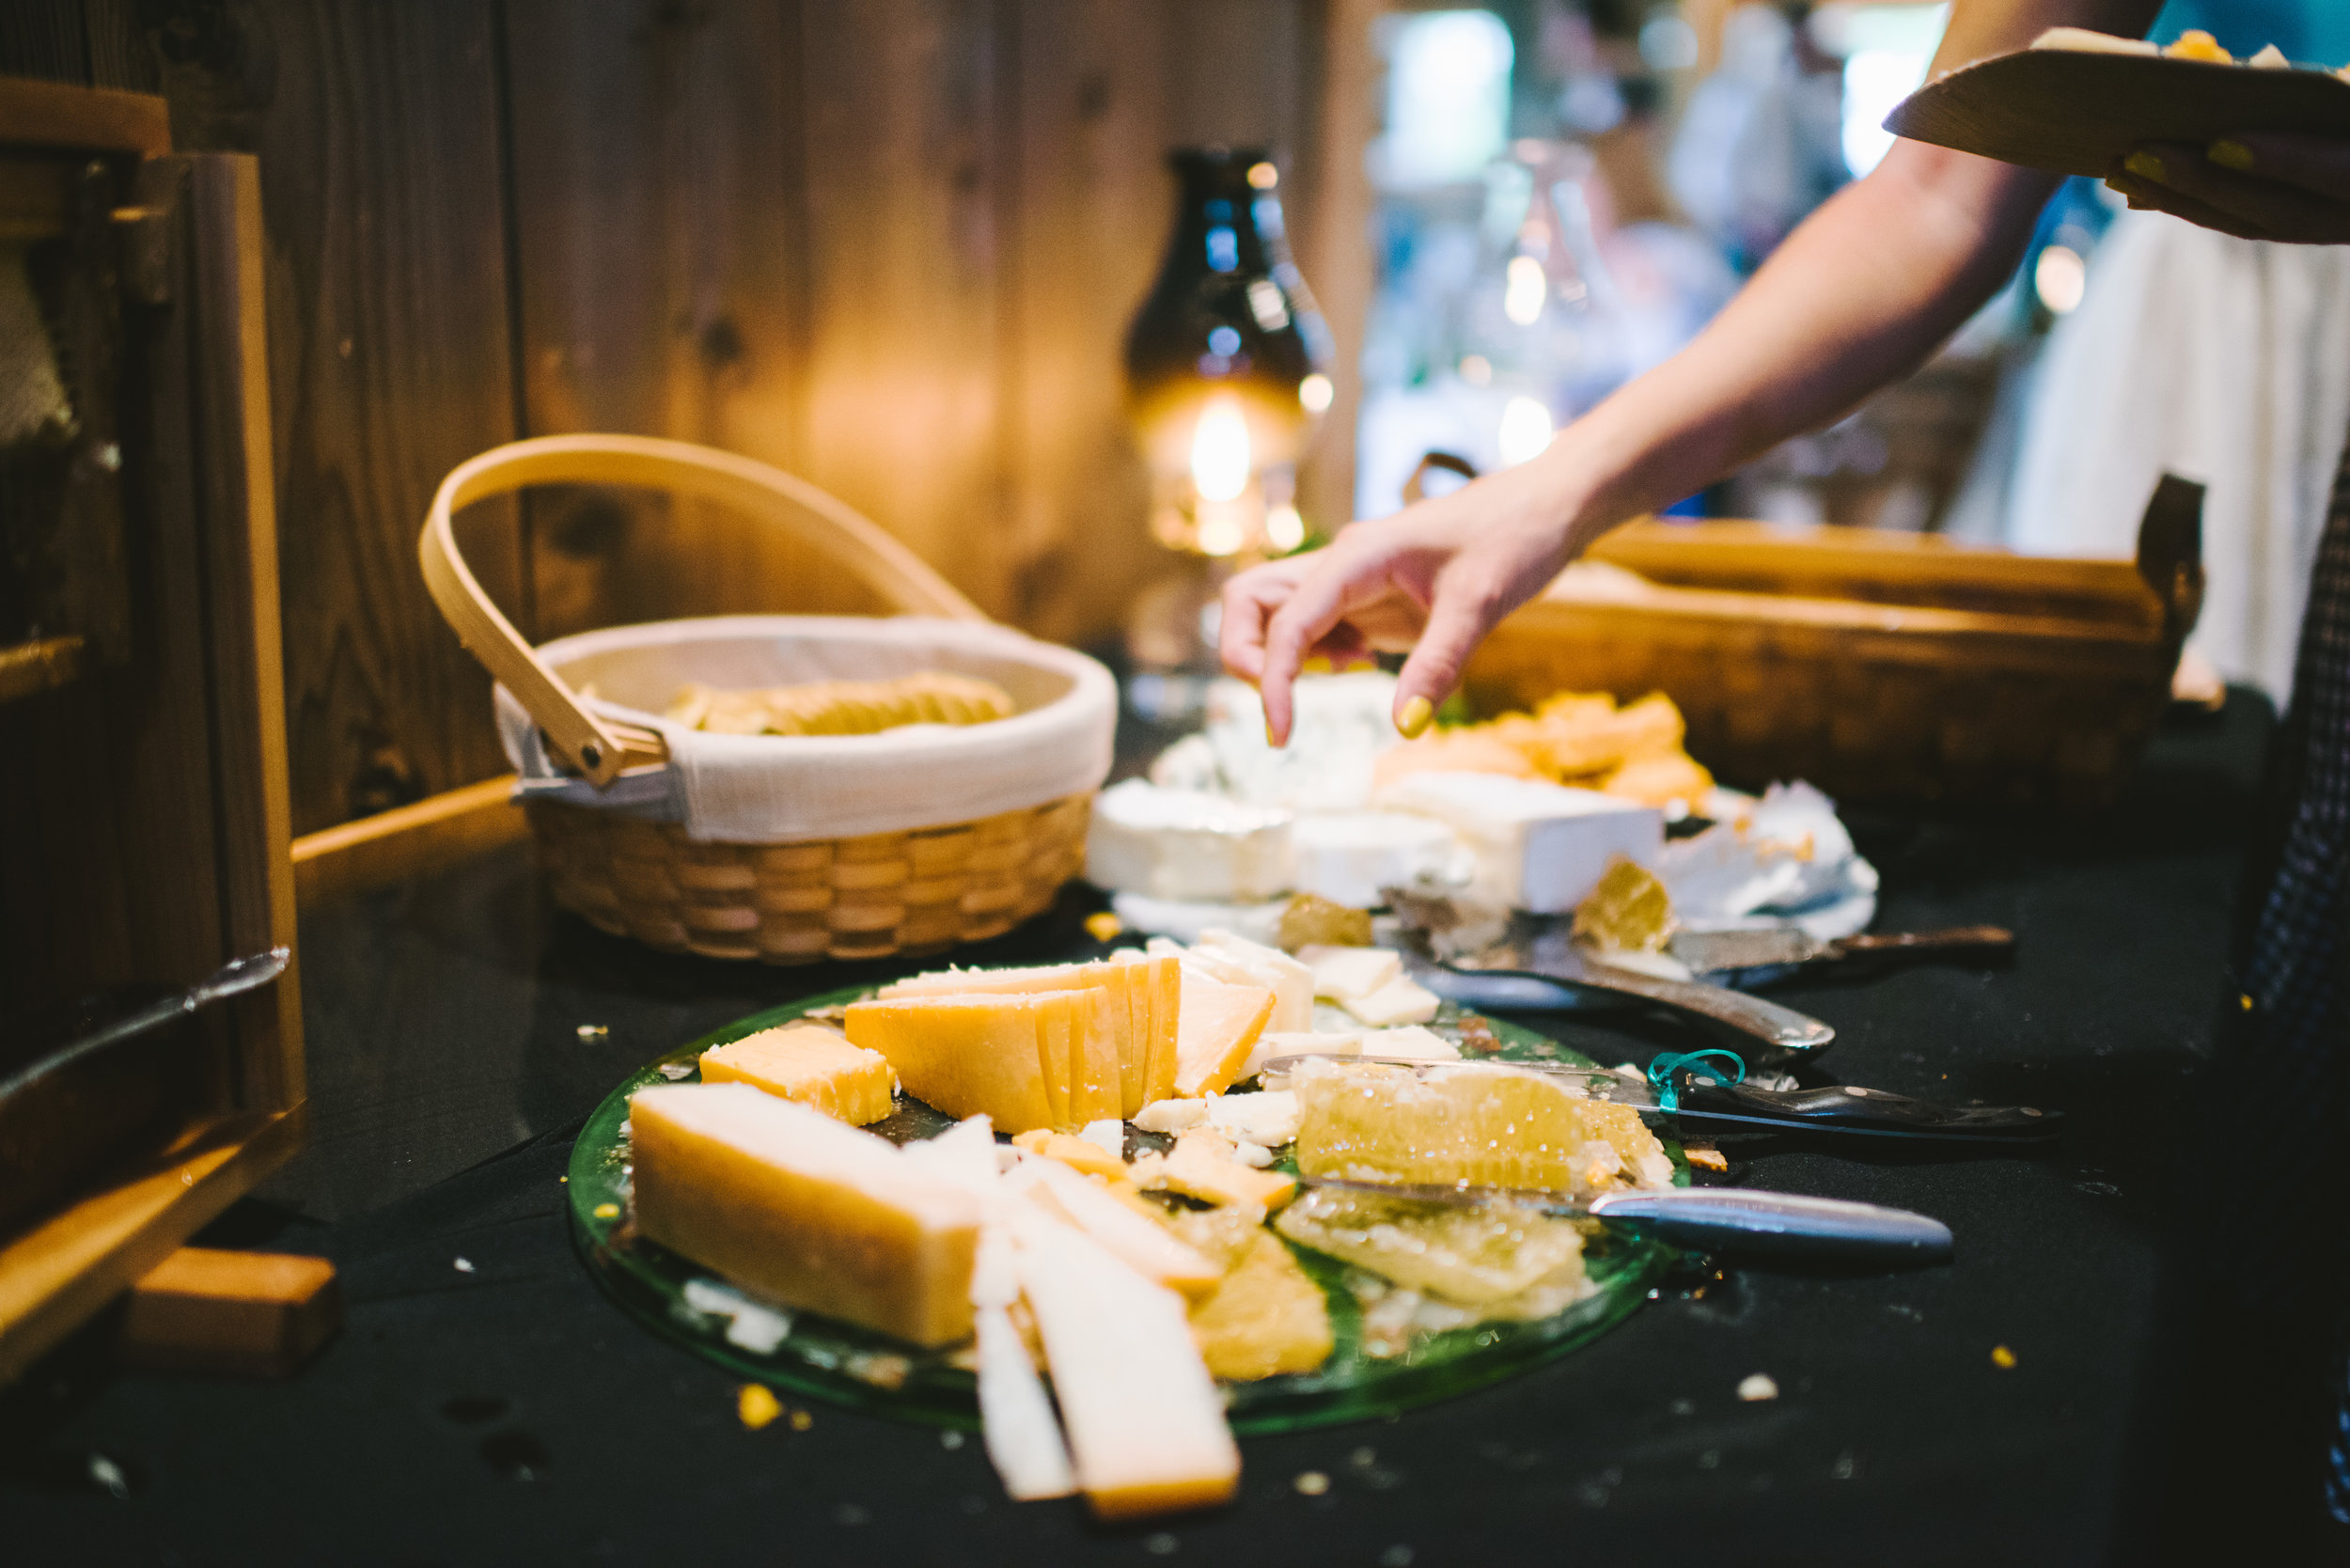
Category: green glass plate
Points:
column 822, row 1359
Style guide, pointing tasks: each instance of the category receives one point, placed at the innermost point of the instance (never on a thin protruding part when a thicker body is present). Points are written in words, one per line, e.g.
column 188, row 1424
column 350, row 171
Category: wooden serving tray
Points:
column 2075, row 112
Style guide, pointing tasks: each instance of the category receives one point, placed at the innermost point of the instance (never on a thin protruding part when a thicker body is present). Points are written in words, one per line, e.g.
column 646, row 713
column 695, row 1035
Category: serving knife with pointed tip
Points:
column 1701, row 1099
column 237, row 975
column 1720, row 951
column 1732, row 1221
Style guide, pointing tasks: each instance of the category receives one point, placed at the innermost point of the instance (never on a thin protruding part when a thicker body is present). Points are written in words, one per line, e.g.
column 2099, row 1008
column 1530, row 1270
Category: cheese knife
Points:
column 1696, row 1097
column 1731, row 1221
column 1770, row 948
column 236, row 976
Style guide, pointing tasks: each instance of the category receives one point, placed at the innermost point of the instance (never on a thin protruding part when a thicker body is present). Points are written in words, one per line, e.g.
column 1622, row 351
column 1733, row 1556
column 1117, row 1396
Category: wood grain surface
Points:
column 891, row 248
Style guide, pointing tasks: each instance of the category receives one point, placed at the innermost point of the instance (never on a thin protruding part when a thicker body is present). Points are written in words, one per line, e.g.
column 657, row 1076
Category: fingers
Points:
column 1249, row 601
column 1457, row 622
column 1307, row 615
column 2320, row 164
column 2220, row 197
column 2147, row 197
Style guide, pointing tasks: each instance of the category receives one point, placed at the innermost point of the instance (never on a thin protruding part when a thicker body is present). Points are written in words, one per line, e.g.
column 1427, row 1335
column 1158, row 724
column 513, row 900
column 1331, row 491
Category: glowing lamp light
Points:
column 1315, row 393
column 1284, row 529
column 1220, row 451
column 1525, row 431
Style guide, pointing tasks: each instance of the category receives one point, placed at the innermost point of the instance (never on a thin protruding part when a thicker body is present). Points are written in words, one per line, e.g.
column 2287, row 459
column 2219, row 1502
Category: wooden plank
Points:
column 377, row 129
column 61, row 1271
column 238, row 1314
column 231, row 412
column 408, row 842
column 682, row 126
column 52, row 113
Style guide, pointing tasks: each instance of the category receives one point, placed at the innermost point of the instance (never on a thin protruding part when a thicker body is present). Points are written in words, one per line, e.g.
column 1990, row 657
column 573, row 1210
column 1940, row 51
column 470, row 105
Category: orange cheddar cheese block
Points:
column 790, row 1203
column 984, row 1054
column 1124, row 1058
column 810, row 1063
column 1220, row 1026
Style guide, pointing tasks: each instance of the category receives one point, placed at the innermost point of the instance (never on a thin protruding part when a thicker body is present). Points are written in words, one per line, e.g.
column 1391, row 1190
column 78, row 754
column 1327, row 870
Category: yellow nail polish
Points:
column 2144, row 164
column 1317, row 665
column 1269, row 738
column 1417, row 714
column 2231, row 154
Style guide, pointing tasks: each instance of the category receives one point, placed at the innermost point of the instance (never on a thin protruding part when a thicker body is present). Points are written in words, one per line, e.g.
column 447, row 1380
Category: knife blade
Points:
column 1732, row 1221
column 1716, row 951
column 1701, row 1101
column 238, row 974
column 1767, row 1033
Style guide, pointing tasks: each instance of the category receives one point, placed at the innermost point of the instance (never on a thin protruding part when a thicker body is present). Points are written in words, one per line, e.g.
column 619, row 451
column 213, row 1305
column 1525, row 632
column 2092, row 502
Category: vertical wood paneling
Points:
column 905, row 417
column 377, row 130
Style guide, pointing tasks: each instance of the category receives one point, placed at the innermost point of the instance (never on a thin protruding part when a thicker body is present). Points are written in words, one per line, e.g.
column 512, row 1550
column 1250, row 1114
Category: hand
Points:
column 2257, row 185
column 1433, row 578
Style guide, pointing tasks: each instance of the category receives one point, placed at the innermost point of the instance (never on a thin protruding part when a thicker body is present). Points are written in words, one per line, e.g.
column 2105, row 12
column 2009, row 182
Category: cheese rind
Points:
column 1186, row 844
column 810, row 1063
column 788, row 1202
column 1145, row 1421
column 1353, row 857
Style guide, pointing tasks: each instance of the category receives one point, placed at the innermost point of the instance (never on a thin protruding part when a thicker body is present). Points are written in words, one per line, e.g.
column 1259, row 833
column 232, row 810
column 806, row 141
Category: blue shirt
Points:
column 2311, row 32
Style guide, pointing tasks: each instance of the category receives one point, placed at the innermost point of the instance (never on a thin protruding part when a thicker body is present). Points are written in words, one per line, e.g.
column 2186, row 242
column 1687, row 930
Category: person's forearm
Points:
column 1861, row 293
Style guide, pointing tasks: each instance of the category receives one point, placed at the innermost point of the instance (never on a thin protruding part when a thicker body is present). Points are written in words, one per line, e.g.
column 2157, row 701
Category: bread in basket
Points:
column 787, row 849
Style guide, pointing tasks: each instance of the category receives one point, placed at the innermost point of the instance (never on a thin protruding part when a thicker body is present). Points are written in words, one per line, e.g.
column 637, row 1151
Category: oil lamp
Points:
column 1227, row 365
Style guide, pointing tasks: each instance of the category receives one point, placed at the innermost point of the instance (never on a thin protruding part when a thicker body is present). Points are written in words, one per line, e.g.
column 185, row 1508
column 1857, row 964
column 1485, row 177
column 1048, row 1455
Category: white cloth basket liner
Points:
column 783, row 789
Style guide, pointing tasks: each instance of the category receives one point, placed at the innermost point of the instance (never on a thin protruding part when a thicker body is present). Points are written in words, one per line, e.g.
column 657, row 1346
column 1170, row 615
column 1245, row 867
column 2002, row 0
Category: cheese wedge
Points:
column 810, row 1063
column 1292, row 982
column 1145, row 1246
column 975, row 1055
column 1140, row 1018
column 1343, row 974
column 1220, row 1026
column 788, row 1202
column 1145, row 1421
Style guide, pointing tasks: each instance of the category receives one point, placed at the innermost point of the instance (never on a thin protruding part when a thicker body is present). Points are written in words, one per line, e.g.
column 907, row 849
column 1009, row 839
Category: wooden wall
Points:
column 891, row 247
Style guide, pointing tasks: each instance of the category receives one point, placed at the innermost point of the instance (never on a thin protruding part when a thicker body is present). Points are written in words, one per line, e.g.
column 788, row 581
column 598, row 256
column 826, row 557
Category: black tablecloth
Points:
column 486, row 1404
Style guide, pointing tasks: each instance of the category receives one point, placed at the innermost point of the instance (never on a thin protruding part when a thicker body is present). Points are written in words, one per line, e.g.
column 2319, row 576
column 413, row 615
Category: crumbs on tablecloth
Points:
column 756, row 1405
column 1758, row 1386
column 2002, row 1358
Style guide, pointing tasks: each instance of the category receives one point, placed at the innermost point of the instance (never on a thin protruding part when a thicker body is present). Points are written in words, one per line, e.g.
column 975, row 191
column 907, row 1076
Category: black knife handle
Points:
column 1845, row 1108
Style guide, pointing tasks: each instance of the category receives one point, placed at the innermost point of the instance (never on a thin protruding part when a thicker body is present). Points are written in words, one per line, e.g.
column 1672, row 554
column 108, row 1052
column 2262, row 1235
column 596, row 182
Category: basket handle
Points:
column 600, row 748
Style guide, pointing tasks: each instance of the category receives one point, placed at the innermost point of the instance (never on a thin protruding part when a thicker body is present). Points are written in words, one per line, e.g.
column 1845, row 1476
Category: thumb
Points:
column 1457, row 622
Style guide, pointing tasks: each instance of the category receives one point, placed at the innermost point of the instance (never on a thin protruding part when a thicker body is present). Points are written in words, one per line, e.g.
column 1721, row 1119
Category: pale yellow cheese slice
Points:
column 1142, row 1243
column 810, row 1063
column 1145, row 1421
column 1219, row 1026
column 1167, row 988
column 792, row 1204
column 1097, row 1050
column 974, row 1054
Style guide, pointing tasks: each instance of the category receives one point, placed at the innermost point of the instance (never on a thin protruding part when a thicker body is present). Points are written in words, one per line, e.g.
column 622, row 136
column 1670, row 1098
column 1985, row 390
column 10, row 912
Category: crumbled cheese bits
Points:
column 843, row 707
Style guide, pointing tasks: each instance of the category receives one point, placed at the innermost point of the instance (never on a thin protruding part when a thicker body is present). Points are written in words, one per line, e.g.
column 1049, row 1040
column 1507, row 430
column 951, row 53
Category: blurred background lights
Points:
column 1886, row 50
column 2060, row 277
column 1315, row 392
column 1448, row 95
column 1524, row 291
column 1284, row 529
column 1524, row 430
column 1264, row 176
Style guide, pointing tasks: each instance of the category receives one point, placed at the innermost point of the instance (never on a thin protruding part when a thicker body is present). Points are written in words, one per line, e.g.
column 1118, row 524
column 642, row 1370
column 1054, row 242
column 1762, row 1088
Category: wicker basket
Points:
column 1878, row 665
column 617, row 849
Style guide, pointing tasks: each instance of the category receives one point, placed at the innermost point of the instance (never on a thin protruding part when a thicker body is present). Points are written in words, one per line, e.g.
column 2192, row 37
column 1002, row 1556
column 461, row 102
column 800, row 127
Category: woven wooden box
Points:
column 143, row 813
column 1877, row 665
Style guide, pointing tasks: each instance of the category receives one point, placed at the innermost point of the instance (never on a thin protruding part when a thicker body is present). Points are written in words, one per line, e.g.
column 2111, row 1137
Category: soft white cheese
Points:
column 1411, row 1043
column 1292, row 982
column 1024, row 1441
column 1107, row 1135
column 1271, row 1046
column 1342, row 973
column 1184, row 844
column 1269, row 1118
column 1171, row 1116
column 1350, row 858
column 1538, row 847
column 1399, row 1001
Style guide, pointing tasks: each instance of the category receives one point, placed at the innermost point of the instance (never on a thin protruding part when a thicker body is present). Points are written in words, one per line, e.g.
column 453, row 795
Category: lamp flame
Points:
column 1219, row 450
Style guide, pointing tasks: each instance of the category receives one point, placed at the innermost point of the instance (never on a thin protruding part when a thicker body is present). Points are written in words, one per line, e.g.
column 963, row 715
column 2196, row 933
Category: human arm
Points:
column 1860, row 293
